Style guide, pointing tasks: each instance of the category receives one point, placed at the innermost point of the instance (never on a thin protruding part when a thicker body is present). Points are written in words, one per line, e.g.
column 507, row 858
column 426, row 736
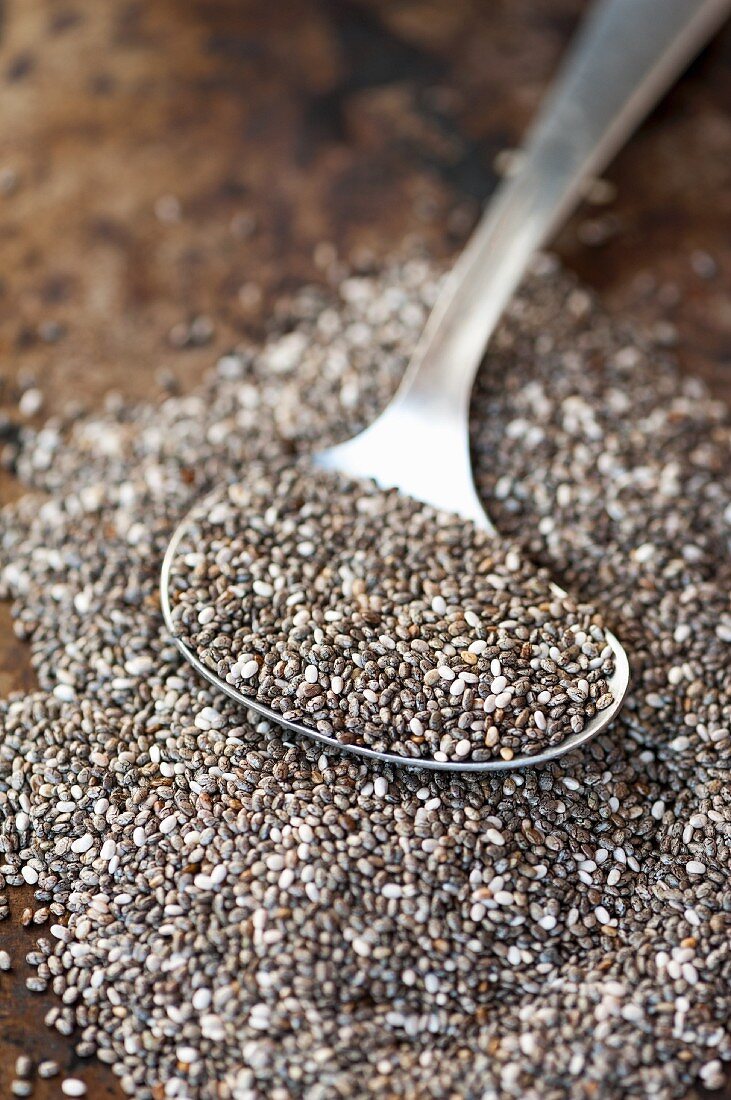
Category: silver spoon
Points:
column 626, row 54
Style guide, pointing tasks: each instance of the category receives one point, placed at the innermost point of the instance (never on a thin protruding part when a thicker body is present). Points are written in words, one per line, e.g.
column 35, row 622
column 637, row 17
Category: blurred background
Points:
column 169, row 167
column 166, row 166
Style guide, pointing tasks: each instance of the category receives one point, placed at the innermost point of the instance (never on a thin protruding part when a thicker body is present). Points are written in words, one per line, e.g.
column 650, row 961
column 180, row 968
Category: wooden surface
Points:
column 159, row 160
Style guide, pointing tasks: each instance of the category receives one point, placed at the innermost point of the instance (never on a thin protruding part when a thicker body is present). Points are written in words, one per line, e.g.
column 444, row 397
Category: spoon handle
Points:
column 624, row 57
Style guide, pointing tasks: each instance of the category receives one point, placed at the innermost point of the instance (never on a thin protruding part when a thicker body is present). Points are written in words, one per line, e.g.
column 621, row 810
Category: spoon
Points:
column 626, row 54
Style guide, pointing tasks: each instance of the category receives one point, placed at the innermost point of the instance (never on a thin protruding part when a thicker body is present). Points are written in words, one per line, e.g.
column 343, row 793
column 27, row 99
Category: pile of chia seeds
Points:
column 227, row 913
column 383, row 622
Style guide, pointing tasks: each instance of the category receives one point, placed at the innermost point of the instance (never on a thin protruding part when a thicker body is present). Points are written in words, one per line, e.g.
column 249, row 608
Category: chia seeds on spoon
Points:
column 383, row 622
column 236, row 916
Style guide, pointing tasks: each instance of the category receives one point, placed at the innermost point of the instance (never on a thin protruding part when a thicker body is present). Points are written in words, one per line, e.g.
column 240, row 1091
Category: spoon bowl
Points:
column 617, row 683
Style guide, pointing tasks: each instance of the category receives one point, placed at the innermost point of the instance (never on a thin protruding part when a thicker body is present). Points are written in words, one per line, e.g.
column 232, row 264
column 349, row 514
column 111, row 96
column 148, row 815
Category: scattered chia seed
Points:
column 31, row 402
column 305, row 924
column 73, row 1086
column 23, row 1066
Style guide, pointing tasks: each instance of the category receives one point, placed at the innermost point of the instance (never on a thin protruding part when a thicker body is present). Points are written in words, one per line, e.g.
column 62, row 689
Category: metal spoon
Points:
column 625, row 56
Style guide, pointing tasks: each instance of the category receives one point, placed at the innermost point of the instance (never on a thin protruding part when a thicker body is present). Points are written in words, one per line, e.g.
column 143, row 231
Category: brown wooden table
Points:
column 158, row 158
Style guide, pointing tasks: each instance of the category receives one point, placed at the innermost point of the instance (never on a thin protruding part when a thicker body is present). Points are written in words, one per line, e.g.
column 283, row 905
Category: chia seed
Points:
column 299, row 923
